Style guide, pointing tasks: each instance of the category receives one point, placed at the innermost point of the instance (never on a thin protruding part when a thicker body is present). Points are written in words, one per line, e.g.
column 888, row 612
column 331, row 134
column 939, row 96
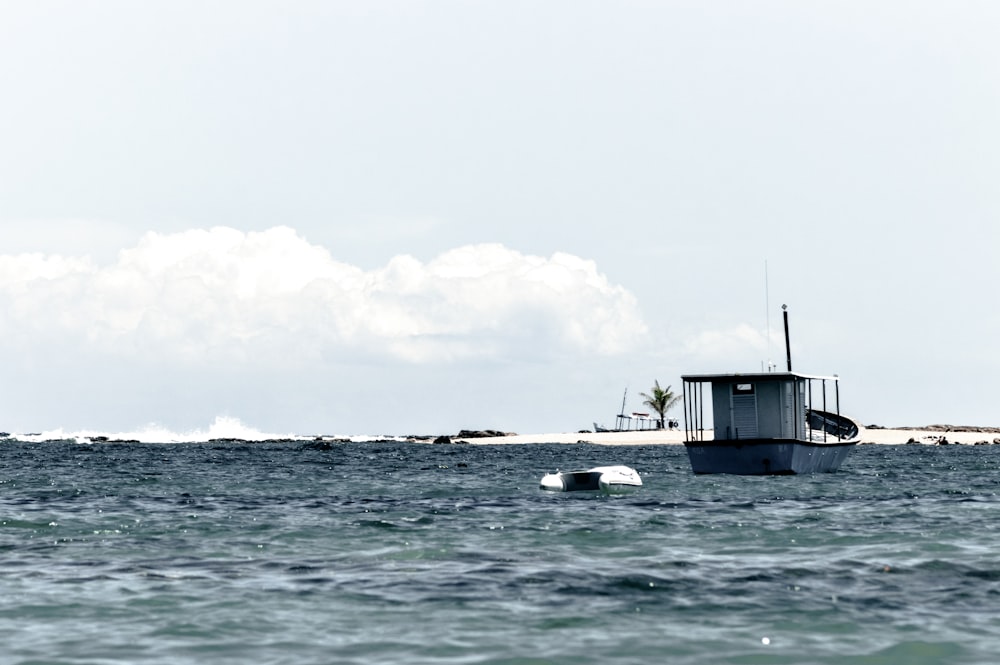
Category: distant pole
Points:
column 788, row 346
column 620, row 420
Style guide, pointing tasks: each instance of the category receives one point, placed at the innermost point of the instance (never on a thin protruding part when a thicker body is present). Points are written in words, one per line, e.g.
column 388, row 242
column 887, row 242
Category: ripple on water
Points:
column 399, row 553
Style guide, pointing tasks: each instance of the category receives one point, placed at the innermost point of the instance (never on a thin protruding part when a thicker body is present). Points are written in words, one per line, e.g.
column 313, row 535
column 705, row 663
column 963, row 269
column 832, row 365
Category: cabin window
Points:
column 743, row 389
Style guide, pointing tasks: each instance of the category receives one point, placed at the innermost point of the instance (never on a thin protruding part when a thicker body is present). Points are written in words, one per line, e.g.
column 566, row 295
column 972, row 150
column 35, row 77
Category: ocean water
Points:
column 392, row 552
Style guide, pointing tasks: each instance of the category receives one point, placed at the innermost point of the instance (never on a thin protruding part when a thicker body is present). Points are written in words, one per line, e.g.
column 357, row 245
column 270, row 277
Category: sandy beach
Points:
column 931, row 435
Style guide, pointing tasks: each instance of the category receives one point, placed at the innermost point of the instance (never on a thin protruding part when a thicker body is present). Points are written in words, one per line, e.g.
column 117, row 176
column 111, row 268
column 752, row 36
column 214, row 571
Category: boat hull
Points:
column 762, row 457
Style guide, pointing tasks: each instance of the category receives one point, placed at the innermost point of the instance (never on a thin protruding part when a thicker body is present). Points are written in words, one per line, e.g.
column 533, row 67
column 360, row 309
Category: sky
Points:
column 415, row 217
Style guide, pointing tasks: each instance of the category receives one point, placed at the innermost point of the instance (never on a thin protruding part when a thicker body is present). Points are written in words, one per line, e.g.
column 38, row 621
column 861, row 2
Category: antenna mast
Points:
column 767, row 314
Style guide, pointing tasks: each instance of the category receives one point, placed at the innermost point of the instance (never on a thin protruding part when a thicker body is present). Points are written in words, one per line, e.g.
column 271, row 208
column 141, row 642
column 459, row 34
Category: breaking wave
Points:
column 222, row 428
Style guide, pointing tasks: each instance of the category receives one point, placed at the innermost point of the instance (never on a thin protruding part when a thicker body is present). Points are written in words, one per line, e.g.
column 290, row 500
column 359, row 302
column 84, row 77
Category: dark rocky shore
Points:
column 944, row 428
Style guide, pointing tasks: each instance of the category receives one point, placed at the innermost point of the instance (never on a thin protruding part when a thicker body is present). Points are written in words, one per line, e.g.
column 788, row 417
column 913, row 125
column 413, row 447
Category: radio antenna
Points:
column 767, row 313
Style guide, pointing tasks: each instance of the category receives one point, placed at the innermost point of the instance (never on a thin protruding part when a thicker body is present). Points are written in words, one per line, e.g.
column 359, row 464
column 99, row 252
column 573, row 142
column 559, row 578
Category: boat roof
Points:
column 754, row 377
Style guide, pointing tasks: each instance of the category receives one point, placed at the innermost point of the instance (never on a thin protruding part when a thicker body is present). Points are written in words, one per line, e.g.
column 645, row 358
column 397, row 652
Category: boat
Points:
column 608, row 479
column 767, row 423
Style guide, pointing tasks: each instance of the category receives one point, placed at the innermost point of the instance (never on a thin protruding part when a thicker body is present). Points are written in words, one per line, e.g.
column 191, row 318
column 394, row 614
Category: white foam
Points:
column 223, row 427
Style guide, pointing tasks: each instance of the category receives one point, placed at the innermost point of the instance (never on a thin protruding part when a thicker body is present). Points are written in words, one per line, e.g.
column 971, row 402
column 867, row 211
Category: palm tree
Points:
column 660, row 401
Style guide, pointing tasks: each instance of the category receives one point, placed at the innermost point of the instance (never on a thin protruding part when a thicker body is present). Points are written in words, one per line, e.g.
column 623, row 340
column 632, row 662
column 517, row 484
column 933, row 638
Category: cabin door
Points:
column 788, row 410
column 744, row 406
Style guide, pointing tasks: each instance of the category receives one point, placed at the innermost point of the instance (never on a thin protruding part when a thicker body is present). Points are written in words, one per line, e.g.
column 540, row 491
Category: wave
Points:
column 223, row 428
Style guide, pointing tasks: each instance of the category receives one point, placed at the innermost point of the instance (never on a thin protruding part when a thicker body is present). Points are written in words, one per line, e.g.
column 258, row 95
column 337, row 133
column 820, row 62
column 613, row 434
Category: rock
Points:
column 480, row 433
column 443, row 439
column 959, row 428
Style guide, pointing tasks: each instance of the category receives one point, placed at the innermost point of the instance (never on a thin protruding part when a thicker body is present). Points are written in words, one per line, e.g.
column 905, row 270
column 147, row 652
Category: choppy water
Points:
column 418, row 553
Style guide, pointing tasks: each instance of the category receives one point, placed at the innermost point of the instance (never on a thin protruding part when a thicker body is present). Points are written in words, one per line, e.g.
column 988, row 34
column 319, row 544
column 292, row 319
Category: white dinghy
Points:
column 609, row 479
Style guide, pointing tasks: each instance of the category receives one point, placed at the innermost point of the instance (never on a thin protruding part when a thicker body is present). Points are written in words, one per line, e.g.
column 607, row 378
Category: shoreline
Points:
column 871, row 435
column 931, row 435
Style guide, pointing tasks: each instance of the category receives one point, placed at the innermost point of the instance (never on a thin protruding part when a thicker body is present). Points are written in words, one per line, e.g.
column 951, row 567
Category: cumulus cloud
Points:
column 271, row 297
column 730, row 349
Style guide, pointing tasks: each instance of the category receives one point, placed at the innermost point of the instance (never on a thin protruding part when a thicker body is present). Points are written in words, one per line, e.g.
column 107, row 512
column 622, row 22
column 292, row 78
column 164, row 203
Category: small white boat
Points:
column 609, row 479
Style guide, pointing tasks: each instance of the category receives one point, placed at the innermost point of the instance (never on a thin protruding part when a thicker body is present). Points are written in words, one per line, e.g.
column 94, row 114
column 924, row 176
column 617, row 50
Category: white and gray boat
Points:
column 771, row 423
column 765, row 424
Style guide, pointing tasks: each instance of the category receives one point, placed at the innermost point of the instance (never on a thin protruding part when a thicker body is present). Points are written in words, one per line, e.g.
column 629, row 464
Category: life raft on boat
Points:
column 610, row 479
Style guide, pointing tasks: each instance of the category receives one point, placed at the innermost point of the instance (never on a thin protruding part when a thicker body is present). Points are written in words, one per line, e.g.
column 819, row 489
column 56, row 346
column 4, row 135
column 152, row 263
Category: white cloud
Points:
column 731, row 349
column 272, row 299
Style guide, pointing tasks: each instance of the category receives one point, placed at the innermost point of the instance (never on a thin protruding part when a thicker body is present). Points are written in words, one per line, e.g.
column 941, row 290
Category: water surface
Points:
column 419, row 553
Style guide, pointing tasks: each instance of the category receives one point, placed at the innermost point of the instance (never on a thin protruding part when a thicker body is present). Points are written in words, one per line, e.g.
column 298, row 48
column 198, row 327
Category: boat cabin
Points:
column 773, row 405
